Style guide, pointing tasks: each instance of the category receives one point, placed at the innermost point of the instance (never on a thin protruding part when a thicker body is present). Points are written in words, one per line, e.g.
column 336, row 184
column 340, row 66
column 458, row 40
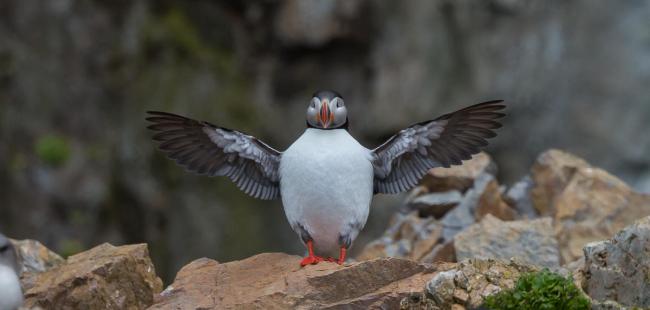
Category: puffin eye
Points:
column 313, row 103
column 339, row 102
column 4, row 248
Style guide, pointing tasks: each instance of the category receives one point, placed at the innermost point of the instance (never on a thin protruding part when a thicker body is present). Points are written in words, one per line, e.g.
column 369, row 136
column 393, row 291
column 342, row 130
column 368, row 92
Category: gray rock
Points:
column 442, row 287
column 518, row 196
column 619, row 269
column 530, row 241
column 435, row 204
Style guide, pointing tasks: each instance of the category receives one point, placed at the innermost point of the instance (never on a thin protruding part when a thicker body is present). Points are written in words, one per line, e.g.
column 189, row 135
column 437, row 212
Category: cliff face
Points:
column 76, row 77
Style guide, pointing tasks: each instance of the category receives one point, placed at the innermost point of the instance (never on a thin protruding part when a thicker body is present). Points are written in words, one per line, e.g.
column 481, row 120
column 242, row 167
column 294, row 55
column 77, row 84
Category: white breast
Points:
column 11, row 296
column 326, row 183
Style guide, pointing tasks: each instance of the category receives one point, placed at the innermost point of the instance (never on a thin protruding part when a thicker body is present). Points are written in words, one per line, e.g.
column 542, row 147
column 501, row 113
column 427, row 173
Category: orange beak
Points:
column 325, row 116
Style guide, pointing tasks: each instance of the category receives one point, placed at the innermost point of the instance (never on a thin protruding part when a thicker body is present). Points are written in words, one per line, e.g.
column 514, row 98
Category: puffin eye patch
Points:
column 339, row 102
column 4, row 248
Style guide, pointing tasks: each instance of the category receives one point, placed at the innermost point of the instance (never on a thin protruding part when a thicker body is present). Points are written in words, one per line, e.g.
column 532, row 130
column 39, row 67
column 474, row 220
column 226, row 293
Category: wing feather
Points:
column 207, row 149
column 406, row 157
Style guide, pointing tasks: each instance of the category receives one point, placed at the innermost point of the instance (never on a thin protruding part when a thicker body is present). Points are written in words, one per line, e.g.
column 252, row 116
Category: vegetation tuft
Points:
column 53, row 150
column 540, row 290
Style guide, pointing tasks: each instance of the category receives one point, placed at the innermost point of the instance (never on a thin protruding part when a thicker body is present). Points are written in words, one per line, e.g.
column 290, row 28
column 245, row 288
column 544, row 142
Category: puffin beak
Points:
column 325, row 115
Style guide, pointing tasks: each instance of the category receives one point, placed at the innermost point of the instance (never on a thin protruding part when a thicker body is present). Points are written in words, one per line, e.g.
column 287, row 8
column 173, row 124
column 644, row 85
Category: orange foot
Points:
column 311, row 260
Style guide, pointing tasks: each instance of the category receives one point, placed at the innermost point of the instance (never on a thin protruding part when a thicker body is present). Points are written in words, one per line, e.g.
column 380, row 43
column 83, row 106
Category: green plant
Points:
column 540, row 290
column 53, row 150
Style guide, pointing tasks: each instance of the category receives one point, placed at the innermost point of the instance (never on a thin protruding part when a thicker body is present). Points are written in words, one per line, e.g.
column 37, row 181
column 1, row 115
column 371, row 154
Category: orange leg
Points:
column 311, row 259
column 342, row 256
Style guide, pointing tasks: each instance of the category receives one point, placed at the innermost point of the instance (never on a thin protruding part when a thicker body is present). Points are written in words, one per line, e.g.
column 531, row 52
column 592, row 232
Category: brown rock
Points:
column 276, row 281
column 551, row 173
column 408, row 236
column 33, row 258
column 587, row 204
column 491, row 202
column 460, row 177
column 105, row 277
column 424, row 246
column 530, row 241
column 441, row 252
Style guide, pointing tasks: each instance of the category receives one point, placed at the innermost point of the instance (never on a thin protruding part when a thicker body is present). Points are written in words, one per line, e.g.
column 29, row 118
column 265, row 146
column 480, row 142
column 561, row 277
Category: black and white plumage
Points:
column 326, row 179
column 11, row 296
column 207, row 149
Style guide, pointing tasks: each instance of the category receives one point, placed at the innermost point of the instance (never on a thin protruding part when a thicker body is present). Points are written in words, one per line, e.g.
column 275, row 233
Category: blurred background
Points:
column 78, row 168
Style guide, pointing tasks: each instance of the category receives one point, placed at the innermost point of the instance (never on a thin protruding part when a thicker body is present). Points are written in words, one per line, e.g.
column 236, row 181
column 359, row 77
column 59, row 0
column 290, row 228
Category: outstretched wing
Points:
column 207, row 149
column 401, row 161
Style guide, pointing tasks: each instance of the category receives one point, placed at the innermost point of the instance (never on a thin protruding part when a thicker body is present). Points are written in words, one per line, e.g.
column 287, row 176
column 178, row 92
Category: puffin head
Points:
column 8, row 254
column 327, row 111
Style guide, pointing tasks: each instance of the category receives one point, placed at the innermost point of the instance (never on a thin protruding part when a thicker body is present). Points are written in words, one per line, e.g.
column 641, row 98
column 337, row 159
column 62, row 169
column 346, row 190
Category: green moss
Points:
column 540, row 290
column 53, row 150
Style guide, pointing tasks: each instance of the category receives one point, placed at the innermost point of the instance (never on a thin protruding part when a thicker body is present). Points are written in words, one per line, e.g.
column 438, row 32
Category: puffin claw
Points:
column 311, row 260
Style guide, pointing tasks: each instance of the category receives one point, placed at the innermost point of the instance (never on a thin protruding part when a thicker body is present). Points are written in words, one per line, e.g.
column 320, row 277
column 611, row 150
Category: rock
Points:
column 518, row 196
column 586, row 203
column 490, row 200
column 484, row 197
column 435, row 204
column 408, row 236
column 467, row 283
column 442, row 252
column 33, row 258
column 105, row 277
column 551, row 173
column 461, row 177
column 276, row 281
column 530, row 241
column 618, row 270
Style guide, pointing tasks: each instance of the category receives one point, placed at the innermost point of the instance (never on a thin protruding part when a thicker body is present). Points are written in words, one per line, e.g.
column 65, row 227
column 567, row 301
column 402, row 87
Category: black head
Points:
column 8, row 253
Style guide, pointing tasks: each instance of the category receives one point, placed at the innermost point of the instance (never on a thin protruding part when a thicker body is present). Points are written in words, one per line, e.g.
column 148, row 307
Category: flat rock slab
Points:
column 531, row 241
column 105, row 277
column 276, row 281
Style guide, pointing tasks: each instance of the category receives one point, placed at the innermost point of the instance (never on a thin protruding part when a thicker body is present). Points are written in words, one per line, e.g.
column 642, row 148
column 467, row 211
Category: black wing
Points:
column 401, row 161
column 207, row 149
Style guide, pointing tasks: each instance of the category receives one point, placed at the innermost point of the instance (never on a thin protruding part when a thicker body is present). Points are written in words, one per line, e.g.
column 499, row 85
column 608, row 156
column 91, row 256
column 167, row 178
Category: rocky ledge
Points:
column 460, row 237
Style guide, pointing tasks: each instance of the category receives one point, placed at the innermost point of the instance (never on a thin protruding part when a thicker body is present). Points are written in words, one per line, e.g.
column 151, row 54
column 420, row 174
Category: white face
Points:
column 325, row 113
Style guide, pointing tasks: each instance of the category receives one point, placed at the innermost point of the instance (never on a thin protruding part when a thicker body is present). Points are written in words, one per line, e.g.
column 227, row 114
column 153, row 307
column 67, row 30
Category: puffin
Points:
column 11, row 295
column 326, row 178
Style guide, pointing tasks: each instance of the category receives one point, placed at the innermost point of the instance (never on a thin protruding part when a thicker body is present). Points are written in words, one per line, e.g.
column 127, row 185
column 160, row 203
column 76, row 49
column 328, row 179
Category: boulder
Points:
column 435, row 204
column 408, row 236
column 586, row 203
column 617, row 271
column 33, row 258
column 465, row 285
column 551, row 173
column 276, row 281
column 530, row 241
column 484, row 197
column 105, row 277
column 461, row 177
column 518, row 196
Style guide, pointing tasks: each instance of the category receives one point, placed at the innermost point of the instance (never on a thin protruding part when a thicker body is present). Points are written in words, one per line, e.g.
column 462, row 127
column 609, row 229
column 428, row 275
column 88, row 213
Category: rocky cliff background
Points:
column 78, row 167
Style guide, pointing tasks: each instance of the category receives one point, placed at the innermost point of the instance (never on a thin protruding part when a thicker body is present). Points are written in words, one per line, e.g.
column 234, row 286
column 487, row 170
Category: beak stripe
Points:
column 325, row 114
